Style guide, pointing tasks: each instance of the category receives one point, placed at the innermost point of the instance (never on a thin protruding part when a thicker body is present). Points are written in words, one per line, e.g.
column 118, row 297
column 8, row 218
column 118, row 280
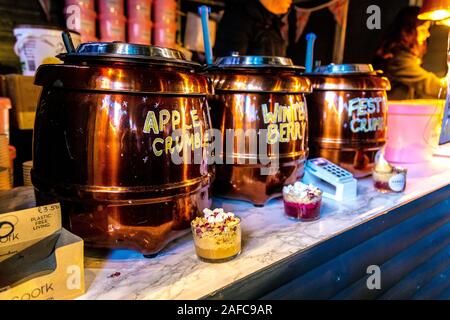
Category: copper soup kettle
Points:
column 103, row 143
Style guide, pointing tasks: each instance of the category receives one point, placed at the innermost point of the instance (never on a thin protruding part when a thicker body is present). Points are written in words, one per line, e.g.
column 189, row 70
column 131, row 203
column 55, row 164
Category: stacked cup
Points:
column 165, row 17
column 81, row 17
column 5, row 166
column 111, row 20
column 5, row 159
column 139, row 24
column 26, row 166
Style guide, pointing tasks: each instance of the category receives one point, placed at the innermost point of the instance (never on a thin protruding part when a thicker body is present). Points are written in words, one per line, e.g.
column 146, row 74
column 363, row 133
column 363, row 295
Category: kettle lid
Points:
column 348, row 77
column 344, row 69
column 122, row 51
column 124, row 67
column 238, row 61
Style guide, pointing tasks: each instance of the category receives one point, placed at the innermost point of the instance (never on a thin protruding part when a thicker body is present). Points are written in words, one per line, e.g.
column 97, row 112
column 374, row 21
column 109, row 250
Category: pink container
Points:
column 140, row 31
column 413, row 130
column 165, row 35
column 139, row 9
column 164, row 11
column 84, row 4
column 112, row 28
column 111, row 7
column 86, row 26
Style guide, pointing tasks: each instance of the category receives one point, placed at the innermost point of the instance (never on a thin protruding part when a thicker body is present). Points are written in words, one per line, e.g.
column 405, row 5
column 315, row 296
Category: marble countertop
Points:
column 268, row 237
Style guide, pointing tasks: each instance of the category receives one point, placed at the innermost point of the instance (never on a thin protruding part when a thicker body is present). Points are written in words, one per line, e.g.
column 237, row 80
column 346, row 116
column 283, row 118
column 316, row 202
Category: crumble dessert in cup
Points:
column 388, row 178
column 302, row 202
column 217, row 235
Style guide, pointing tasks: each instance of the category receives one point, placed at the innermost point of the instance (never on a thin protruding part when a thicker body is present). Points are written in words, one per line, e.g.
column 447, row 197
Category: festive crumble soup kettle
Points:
column 347, row 115
column 263, row 97
column 104, row 144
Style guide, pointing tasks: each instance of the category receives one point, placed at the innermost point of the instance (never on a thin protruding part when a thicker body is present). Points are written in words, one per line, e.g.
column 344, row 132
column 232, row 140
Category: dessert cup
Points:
column 302, row 211
column 388, row 178
column 302, row 202
column 217, row 242
column 387, row 182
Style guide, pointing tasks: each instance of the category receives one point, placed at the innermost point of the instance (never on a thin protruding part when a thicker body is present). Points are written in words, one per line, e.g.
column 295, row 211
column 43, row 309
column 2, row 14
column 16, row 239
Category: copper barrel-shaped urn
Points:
column 104, row 144
column 347, row 113
column 260, row 109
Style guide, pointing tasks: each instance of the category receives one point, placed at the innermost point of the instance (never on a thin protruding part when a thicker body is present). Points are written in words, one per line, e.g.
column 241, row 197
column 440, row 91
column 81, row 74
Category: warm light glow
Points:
column 435, row 10
column 445, row 22
column 435, row 15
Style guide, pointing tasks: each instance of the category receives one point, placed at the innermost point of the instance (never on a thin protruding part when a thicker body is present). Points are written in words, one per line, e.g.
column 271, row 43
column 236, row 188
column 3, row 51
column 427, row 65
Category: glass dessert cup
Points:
column 388, row 182
column 302, row 202
column 217, row 244
column 388, row 178
column 303, row 211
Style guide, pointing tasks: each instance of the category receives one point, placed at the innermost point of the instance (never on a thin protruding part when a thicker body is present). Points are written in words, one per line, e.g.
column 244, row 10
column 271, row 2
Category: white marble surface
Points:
column 268, row 236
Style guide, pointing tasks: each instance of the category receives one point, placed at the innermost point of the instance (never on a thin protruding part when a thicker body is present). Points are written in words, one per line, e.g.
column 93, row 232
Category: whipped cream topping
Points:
column 217, row 215
column 301, row 193
column 385, row 177
column 382, row 166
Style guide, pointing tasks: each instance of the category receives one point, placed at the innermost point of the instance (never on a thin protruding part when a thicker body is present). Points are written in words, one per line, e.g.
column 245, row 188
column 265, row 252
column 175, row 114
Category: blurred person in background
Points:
column 252, row 27
column 400, row 57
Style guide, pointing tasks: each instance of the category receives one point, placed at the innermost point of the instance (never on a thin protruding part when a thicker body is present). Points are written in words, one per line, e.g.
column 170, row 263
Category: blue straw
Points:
column 204, row 14
column 310, row 38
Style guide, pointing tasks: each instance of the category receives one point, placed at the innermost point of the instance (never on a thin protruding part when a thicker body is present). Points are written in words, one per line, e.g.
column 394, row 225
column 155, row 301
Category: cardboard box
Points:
column 65, row 282
column 22, row 229
column 24, row 96
column 38, row 259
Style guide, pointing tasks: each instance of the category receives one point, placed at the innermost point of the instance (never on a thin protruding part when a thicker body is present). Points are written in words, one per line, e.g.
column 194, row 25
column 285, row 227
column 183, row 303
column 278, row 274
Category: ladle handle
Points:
column 310, row 38
column 68, row 43
column 204, row 11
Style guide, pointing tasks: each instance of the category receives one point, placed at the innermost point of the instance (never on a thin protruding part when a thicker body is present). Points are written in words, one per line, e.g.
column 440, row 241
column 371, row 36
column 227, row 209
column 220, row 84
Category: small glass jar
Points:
column 387, row 182
column 217, row 243
column 301, row 207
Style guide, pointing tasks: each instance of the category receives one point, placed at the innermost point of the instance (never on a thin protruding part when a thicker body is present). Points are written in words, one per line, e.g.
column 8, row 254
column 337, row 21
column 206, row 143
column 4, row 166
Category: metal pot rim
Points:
column 128, row 52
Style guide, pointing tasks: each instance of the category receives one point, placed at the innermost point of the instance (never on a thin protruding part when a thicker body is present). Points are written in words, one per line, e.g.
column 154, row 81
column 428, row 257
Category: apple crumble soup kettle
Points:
column 103, row 143
column 263, row 97
column 347, row 113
